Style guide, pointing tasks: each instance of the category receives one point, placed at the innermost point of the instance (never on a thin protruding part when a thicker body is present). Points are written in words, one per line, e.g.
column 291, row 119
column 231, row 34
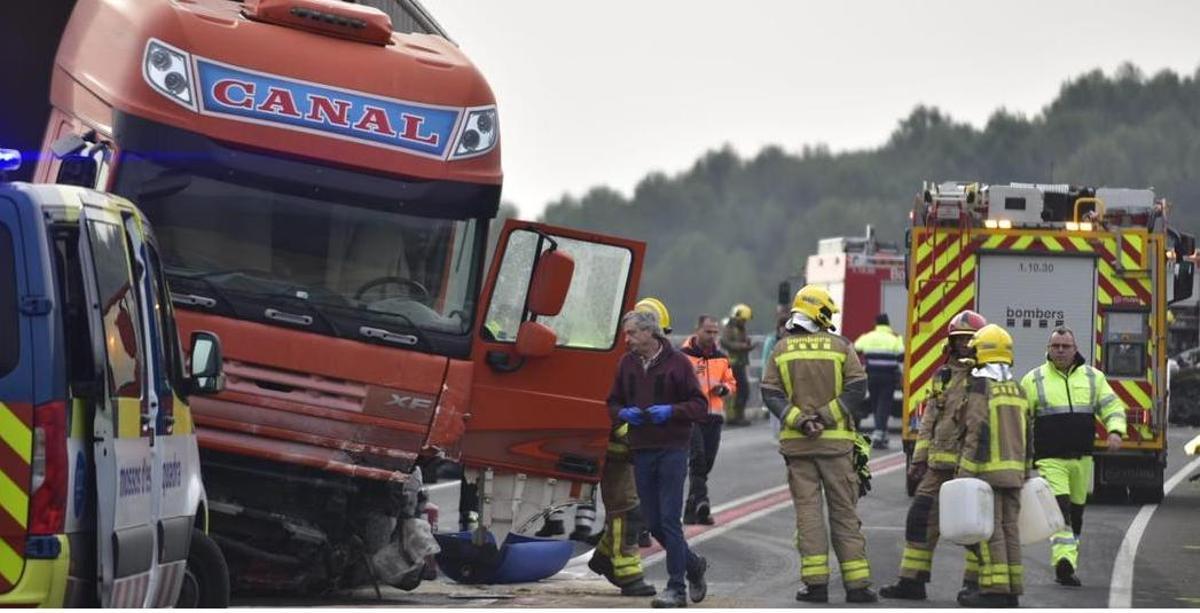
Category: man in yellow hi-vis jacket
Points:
column 812, row 384
column 993, row 449
column 1065, row 398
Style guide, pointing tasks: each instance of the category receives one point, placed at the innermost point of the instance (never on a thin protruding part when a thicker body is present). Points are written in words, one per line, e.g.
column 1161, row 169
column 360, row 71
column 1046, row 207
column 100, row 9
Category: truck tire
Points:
column 206, row 583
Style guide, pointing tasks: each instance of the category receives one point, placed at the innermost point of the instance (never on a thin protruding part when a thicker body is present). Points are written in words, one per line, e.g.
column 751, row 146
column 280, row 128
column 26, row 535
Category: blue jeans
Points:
column 660, row 474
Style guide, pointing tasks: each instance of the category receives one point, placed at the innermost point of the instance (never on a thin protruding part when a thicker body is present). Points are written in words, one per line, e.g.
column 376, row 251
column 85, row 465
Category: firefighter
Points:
column 993, row 449
column 934, row 461
column 717, row 380
column 883, row 351
column 736, row 342
column 1066, row 397
column 617, row 556
column 813, row 383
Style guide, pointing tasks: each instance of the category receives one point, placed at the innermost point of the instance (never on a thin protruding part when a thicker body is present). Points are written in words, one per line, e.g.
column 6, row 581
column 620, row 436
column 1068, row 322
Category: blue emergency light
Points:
column 10, row 160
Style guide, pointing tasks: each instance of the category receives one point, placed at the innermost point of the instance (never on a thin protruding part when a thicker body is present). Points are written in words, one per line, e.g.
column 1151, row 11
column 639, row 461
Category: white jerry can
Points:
column 966, row 511
column 1040, row 515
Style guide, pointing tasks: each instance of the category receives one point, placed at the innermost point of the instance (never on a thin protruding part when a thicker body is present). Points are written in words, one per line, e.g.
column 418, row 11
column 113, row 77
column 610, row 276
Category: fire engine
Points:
column 1101, row 261
column 864, row 276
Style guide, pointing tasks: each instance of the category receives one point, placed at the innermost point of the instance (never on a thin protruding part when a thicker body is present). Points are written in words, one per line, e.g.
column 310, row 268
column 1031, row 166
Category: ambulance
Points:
column 101, row 501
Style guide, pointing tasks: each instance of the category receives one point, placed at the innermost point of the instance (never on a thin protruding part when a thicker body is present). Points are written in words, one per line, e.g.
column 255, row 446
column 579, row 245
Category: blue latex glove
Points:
column 632, row 416
column 660, row 413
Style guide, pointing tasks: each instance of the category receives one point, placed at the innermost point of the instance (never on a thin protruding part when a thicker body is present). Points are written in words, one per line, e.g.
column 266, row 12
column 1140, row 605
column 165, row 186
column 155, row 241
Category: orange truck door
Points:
column 546, row 415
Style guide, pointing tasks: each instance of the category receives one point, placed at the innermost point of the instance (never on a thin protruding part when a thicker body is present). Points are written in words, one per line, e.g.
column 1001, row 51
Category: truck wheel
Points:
column 206, row 582
column 1146, row 494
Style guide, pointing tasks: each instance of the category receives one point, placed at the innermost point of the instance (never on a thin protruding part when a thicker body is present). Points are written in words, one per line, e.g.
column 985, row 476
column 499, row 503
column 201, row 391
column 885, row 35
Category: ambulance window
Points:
column 81, row 370
column 10, row 348
column 118, row 306
column 166, row 323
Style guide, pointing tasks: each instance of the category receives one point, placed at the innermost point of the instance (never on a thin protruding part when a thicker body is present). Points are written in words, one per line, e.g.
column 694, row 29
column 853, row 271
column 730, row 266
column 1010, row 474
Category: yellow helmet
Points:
column 741, row 311
column 655, row 306
column 815, row 302
column 992, row 344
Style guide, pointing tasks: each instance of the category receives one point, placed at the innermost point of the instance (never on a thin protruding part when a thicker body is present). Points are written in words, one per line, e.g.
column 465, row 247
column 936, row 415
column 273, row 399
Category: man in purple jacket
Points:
column 657, row 394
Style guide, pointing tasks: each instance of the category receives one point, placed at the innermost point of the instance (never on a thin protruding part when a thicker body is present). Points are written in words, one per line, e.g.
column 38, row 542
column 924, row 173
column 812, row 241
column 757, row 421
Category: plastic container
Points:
column 965, row 509
column 1040, row 515
column 522, row 559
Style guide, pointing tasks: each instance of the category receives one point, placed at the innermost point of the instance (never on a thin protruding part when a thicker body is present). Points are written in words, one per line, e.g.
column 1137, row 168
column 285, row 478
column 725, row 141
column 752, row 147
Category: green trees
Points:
column 728, row 229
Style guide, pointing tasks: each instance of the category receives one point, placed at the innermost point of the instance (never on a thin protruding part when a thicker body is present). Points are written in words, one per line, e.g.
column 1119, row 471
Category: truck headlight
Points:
column 169, row 71
column 479, row 134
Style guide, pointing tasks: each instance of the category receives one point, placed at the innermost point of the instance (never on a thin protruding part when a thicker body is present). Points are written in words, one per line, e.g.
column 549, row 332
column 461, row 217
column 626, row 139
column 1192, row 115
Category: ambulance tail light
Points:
column 48, row 508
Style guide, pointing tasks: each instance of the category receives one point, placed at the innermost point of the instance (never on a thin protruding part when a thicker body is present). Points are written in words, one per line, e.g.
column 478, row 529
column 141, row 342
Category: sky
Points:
column 605, row 92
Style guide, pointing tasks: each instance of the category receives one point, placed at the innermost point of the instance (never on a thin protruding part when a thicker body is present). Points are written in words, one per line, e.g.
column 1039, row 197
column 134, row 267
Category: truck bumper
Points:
column 43, row 582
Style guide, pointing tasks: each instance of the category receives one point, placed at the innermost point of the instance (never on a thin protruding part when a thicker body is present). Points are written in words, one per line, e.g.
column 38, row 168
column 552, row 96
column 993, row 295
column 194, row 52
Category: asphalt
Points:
column 753, row 563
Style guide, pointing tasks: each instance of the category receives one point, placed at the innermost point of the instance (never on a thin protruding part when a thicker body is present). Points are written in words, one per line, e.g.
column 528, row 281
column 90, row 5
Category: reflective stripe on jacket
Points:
column 883, row 351
column 813, row 371
column 1065, row 407
column 712, row 369
column 993, row 443
column 939, row 440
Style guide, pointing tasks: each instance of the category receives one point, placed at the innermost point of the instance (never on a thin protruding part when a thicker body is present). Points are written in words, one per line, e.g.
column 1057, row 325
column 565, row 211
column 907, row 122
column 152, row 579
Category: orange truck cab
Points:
column 102, row 501
column 322, row 188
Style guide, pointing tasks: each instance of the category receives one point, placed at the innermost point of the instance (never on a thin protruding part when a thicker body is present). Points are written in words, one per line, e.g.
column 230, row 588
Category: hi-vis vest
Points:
column 882, row 349
column 825, row 363
column 1065, row 408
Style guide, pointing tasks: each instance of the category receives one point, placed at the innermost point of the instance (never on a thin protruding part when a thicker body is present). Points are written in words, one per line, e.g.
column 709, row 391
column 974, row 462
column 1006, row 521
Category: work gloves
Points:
column 720, row 390
column 657, row 414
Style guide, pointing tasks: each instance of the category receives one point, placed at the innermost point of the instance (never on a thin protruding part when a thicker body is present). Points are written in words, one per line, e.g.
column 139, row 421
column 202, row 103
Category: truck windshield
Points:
column 318, row 260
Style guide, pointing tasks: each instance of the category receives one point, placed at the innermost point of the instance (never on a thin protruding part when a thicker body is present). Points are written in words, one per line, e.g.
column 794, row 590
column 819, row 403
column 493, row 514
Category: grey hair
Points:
column 644, row 320
column 1061, row 330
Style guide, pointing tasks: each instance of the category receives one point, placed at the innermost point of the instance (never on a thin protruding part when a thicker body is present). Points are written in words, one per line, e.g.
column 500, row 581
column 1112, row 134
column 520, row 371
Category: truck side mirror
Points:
column 1185, row 267
column 207, row 375
column 551, row 280
column 535, row 340
column 78, row 170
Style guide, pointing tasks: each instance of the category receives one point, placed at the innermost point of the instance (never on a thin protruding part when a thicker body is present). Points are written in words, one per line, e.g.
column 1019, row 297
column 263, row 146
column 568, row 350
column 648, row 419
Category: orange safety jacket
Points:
column 713, row 371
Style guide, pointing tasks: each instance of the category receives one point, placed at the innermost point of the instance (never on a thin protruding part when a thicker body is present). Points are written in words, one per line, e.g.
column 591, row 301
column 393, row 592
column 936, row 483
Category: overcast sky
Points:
column 604, row 92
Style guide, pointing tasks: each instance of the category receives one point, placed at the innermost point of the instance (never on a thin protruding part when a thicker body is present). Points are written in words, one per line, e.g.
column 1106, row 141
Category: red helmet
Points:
column 966, row 322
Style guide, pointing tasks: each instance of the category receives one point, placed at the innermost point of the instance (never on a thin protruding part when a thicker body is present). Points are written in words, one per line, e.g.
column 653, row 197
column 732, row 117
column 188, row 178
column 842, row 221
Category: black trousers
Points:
column 880, row 388
column 706, row 439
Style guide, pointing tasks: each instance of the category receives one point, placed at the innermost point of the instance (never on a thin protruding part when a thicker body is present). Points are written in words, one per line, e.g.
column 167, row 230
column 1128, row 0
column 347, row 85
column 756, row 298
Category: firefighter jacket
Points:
column 736, row 342
column 1065, row 407
column 818, row 375
column 940, row 436
column 883, row 351
column 712, row 370
column 993, row 442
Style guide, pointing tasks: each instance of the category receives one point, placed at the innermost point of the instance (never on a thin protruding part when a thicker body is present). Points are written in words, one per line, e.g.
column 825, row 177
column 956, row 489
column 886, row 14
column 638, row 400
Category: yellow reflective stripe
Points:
column 11, row 563
column 1023, row 242
column 129, row 417
column 856, row 570
column 921, row 444
column 943, row 456
column 993, row 432
column 14, row 432
column 1051, row 243
column 917, row 554
column 811, row 560
column 991, row 467
column 14, row 499
column 855, row 564
column 79, row 426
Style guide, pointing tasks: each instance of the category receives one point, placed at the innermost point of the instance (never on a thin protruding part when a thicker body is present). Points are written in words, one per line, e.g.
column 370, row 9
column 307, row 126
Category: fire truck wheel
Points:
column 206, row 582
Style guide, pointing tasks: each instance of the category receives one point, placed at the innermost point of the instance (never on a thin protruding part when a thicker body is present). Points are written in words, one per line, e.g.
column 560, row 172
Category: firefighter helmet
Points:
column 741, row 311
column 966, row 322
column 658, row 309
column 992, row 344
column 817, row 304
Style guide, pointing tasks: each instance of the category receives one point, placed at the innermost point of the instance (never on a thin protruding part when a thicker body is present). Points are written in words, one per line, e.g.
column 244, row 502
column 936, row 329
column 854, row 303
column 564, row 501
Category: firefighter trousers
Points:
column 814, row 482
column 921, row 531
column 1000, row 568
column 1069, row 479
column 618, row 492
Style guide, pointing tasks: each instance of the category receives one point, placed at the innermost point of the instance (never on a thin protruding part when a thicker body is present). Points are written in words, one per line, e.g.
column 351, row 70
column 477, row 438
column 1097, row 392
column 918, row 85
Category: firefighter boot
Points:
column 861, row 595
column 813, row 593
column 689, row 514
column 704, row 513
column 1064, row 574
column 670, row 599
column 638, row 588
column 904, row 589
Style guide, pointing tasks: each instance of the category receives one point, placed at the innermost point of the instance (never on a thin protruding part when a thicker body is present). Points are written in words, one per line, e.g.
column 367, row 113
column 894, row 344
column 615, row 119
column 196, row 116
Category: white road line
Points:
column 1120, row 590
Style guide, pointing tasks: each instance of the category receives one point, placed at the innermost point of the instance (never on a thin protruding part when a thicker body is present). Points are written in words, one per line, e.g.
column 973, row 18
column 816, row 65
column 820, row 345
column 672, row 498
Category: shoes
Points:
column 904, row 589
column 697, row 586
column 1064, row 574
column 689, row 517
column 979, row 600
column 704, row 514
column 879, row 443
column 643, row 538
column 582, row 535
column 861, row 595
column 669, row 599
column 552, row 527
column 638, row 588
column 813, row 593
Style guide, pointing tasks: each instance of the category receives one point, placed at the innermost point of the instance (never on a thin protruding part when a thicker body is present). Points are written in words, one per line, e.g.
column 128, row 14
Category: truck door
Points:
column 123, row 432
column 16, row 399
column 547, row 414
